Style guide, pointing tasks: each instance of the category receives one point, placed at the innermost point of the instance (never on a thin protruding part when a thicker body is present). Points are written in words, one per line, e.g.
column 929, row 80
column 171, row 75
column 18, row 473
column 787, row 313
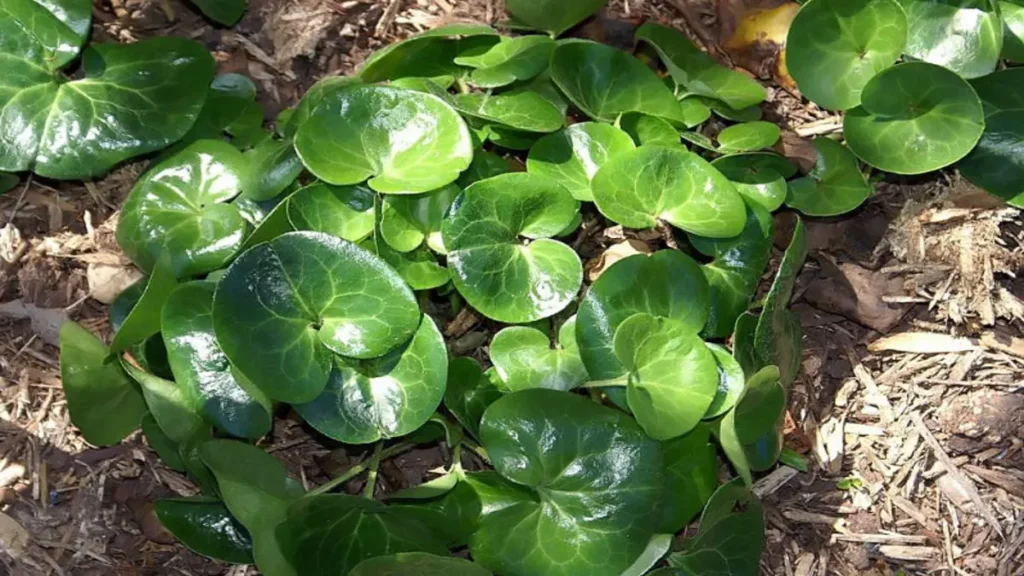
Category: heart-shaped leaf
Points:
column 342, row 211
column 300, row 297
column 403, row 141
column 385, row 397
column 691, row 468
column 965, row 36
column 570, row 452
column 914, row 118
column 551, row 15
column 121, row 108
column 777, row 338
column 205, row 526
column 696, row 72
column 673, row 377
column 180, row 206
column 200, row 366
column 144, row 319
column 492, row 268
column 759, row 176
column 747, row 137
column 103, row 402
column 730, row 382
column 997, row 163
column 418, row 268
column 406, row 221
column 611, row 83
column 639, row 187
column 509, row 60
column 164, row 447
column 1012, row 12
column 667, row 284
column 427, row 55
column 230, row 109
column 644, row 130
column 524, row 359
column 223, row 12
column 757, row 416
column 417, row 564
column 523, row 110
column 834, row 186
column 572, row 156
column 271, row 167
column 468, row 393
column 484, row 166
column 730, row 538
column 834, row 47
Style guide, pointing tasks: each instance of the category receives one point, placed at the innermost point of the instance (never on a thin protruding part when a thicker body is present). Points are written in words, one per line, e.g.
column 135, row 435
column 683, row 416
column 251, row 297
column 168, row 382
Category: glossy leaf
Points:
column 525, row 110
column 484, row 166
column 165, row 448
column 144, row 319
column 730, row 538
column 965, row 36
column 271, row 167
column 834, row 47
column 175, row 411
column 406, row 221
column 731, row 380
column 757, row 415
column 834, row 186
column 223, row 12
column 572, row 156
column 403, row 141
column 103, row 402
column 273, row 224
column 230, row 109
column 759, row 176
column 651, row 183
column 491, row 267
column 426, row 55
column 747, row 137
column 417, row 564
column 468, row 393
column 205, row 527
column 150, row 353
column 300, row 297
column 50, row 33
column 181, row 207
column 1012, row 12
column 552, row 16
column 997, row 163
column 644, row 129
column 452, row 512
column 691, row 472
column 342, row 211
column 524, row 359
column 657, row 547
column 723, row 110
column 419, row 268
column 914, row 118
column 667, row 284
column 777, row 339
column 312, row 98
column 509, row 60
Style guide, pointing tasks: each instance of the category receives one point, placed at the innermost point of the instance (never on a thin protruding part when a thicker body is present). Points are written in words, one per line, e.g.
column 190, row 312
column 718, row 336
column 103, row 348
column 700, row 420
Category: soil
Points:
column 915, row 459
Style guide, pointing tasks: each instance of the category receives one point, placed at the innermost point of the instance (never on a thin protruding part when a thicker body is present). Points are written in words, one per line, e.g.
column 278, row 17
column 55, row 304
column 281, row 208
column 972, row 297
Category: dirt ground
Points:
column 909, row 409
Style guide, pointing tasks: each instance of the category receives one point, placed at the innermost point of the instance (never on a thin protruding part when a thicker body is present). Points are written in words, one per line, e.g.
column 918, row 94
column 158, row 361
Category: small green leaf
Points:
column 730, row 382
column 468, row 393
column 964, row 36
column 427, row 55
column 271, row 167
column 418, row 268
column 230, row 109
column 453, row 514
column 522, row 110
column 144, row 319
column 747, row 137
column 406, row 221
column 1012, row 12
column 175, row 411
column 657, row 547
column 524, row 359
column 723, row 110
column 691, row 467
column 342, row 211
column 730, row 538
column 572, row 156
column 150, row 353
column 223, row 12
column 997, row 163
column 645, row 130
column 756, row 417
column 777, row 339
column 699, row 140
column 205, row 526
column 273, row 224
column 509, row 60
column 484, row 166
column 758, row 176
column 552, row 16
column 834, row 186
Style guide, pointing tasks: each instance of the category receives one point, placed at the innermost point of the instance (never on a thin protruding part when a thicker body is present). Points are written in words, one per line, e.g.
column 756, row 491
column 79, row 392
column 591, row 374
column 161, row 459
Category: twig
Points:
column 387, row 17
column 20, row 200
column 358, row 469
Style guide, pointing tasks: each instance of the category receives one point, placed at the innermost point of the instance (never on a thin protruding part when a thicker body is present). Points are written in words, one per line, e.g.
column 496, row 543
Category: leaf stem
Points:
column 359, row 469
column 371, row 478
column 476, row 448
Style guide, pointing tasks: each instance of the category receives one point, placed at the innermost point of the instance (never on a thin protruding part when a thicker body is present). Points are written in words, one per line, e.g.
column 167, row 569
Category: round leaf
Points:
column 205, row 527
column 509, row 60
column 730, row 382
column 914, row 118
column 417, row 564
column 747, row 137
column 342, row 211
column 524, row 359
column 834, row 47
column 552, row 16
column 403, row 141
column 468, row 393
column 759, row 176
column 426, row 55
column 572, row 156
column 494, row 271
column 1012, row 12
column 407, row 220
column 644, row 129
column 651, row 183
column 997, row 163
column 50, row 33
column 965, row 36
column 284, row 306
column 271, row 167
column 523, row 110
column 834, row 186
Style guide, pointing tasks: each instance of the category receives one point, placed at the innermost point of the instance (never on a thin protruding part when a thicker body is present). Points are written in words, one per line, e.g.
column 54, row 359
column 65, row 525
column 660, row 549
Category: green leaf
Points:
column 418, row 268
column 964, row 36
column 730, row 538
column 331, row 534
column 403, row 141
column 758, row 176
column 743, row 343
column 103, row 402
column 552, row 16
column 778, row 335
column 756, row 417
column 150, row 353
column 698, row 73
column 223, row 12
column 200, row 366
column 144, row 319
column 484, row 166
column 914, row 118
column 747, row 137
column 122, row 107
column 271, row 167
column 644, row 130
column 612, row 82
column 406, row 221
column 257, row 491
column 492, row 268
column 572, row 155
column 205, row 526
column 8, row 182
column 427, row 55
column 453, row 514
column 509, row 60
column 997, row 163
column 691, row 468
column 300, row 297
column 735, row 271
column 639, row 187
column 417, row 564
column 657, row 547
column 577, row 457
column 468, row 393
column 164, row 447
column 834, row 186
column 175, row 411
column 673, row 377
column 313, row 97
column 273, row 224
column 1012, row 12
column 50, row 33
column 342, row 211
column 523, row 110
column 667, row 284
column 181, row 207
column 699, row 140
column 723, row 110
column 730, row 382
column 524, row 359
column 230, row 109
column 834, row 47
column 385, row 397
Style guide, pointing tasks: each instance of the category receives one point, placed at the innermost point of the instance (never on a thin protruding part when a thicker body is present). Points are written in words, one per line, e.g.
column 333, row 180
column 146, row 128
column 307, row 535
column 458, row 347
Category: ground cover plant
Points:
column 287, row 268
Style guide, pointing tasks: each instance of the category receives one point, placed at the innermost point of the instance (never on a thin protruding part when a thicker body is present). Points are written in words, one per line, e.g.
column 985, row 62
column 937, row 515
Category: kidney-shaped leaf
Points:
column 509, row 60
column 49, row 33
column 468, row 393
column 205, row 526
column 759, row 176
column 342, row 211
column 427, row 55
column 572, row 156
column 403, row 141
column 552, row 16
column 997, row 163
column 730, row 537
column 524, row 359
column 407, row 220
column 747, row 137
column 965, row 36
column 523, row 110
column 834, row 186
column 491, row 267
column 417, row 564
column 284, row 306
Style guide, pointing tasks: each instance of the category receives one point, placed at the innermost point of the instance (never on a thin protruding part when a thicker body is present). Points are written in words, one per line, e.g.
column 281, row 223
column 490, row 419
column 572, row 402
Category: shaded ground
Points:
column 916, row 459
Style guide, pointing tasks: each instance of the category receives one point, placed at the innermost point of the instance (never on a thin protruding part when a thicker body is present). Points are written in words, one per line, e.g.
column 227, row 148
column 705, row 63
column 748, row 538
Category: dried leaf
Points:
column 106, row 281
column 758, row 42
column 922, row 343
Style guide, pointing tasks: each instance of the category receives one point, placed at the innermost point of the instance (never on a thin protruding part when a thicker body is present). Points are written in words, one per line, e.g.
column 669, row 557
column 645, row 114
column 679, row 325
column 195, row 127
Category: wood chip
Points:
column 805, row 517
column 1004, row 480
column 922, row 343
column 910, row 553
column 772, row 482
column 881, row 538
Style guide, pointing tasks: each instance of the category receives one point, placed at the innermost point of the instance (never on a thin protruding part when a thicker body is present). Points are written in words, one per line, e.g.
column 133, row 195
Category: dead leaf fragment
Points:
column 106, row 281
column 613, row 254
column 13, row 538
column 922, row 343
column 858, row 294
column 759, row 40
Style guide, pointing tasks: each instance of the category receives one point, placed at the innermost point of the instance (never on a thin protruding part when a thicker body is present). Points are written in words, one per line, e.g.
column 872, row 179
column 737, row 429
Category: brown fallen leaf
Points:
column 757, row 39
column 106, row 281
column 857, row 293
column 13, row 537
column 797, row 149
column 596, row 266
column 922, row 343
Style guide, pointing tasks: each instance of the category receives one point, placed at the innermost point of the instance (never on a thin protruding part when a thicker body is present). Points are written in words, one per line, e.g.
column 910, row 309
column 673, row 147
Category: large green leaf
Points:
column 403, row 141
column 965, row 36
column 698, row 73
column 417, row 564
column 997, row 163
column 509, row 60
column 1012, row 12
column 522, row 110
column 572, row 156
column 523, row 358
column 914, row 118
column 331, row 534
column 205, row 526
column 667, row 284
column 134, row 98
column 181, row 207
column 164, row 447
column 834, row 47
column 759, row 176
column 406, row 221
column 468, row 393
column 777, row 338
column 757, row 416
column 224, row 12
column 611, row 83
column 103, row 402
column 342, row 211
column 595, row 477
column 144, row 319
column 834, row 186
column 225, row 399
column 730, row 538
column 284, row 306
column 748, row 137
column 427, row 55
column 492, row 268
column 230, row 109
column 639, row 187
column 271, row 166
column 48, row 32
column 385, row 397
column 553, row 16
